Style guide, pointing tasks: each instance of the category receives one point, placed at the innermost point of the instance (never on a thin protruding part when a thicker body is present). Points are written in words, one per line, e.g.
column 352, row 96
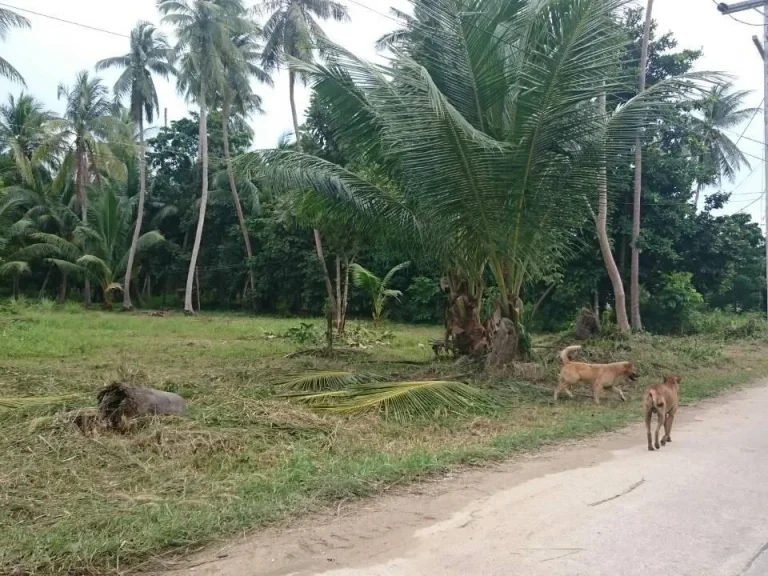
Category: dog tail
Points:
column 656, row 400
column 564, row 355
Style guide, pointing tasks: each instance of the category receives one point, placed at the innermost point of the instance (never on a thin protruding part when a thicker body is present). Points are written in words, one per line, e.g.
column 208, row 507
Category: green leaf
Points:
column 402, row 401
column 324, row 380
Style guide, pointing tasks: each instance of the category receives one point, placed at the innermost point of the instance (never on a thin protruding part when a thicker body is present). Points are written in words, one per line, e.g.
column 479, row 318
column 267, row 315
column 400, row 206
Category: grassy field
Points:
column 241, row 457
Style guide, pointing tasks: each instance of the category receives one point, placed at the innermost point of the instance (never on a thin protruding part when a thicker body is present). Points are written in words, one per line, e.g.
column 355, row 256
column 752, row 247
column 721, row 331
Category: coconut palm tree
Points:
column 486, row 130
column 292, row 30
column 238, row 96
column 634, row 274
column 378, row 288
column 8, row 20
column 99, row 249
column 204, row 29
column 86, row 123
column 722, row 110
column 24, row 133
column 149, row 54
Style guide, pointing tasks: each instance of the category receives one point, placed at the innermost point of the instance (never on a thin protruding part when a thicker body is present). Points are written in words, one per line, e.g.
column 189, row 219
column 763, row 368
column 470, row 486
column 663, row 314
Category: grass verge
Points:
column 241, row 457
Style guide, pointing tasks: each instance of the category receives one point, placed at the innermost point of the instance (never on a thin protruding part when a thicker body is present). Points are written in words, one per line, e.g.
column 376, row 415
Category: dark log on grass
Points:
column 118, row 401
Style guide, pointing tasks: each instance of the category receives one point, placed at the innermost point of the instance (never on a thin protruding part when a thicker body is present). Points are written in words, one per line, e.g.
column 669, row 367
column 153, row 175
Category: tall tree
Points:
column 204, row 45
column 722, row 110
column 484, row 146
column 291, row 30
column 24, row 133
column 86, row 123
column 601, row 223
column 238, row 96
column 149, row 53
column 634, row 282
column 8, row 20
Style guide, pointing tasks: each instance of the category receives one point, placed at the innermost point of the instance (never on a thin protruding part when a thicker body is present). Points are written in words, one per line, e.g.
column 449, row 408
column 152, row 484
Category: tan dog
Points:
column 599, row 376
column 662, row 399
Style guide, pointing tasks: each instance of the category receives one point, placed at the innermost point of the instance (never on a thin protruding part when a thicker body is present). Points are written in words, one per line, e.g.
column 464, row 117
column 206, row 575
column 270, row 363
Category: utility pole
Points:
column 761, row 48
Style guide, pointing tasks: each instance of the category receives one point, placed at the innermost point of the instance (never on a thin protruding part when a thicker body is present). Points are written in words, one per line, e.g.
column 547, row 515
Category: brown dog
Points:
column 662, row 399
column 599, row 376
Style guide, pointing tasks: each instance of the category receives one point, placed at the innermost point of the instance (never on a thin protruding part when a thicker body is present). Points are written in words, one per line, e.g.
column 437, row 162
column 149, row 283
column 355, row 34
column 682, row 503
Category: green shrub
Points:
column 672, row 305
column 423, row 301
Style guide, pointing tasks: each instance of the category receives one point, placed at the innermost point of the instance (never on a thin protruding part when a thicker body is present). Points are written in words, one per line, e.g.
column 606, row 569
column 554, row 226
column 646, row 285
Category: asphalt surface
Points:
column 603, row 507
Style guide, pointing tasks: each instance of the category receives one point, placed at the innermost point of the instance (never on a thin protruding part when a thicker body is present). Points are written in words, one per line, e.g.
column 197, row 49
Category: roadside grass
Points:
column 241, row 457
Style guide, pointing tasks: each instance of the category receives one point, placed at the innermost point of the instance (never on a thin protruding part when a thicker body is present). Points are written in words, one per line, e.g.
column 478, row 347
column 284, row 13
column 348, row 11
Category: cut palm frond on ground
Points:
column 401, row 401
column 28, row 402
column 325, row 380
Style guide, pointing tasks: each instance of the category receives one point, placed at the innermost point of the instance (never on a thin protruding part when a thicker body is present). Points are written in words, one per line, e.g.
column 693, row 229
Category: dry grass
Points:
column 80, row 499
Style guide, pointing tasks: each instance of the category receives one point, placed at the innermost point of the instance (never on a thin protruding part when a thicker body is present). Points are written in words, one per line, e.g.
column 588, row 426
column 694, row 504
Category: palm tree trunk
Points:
column 338, row 293
column 635, row 264
column 82, row 200
column 127, row 305
column 605, row 245
column 188, row 308
column 345, row 296
column 699, row 186
column 318, row 238
column 45, row 284
column 62, row 290
column 235, row 195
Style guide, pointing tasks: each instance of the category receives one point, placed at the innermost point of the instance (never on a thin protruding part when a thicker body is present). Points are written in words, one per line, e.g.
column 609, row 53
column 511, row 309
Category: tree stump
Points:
column 587, row 324
column 505, row 348
column 119, row 401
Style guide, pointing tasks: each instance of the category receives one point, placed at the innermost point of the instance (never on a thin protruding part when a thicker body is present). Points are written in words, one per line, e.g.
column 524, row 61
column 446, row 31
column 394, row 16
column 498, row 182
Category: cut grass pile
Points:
column 242, row 456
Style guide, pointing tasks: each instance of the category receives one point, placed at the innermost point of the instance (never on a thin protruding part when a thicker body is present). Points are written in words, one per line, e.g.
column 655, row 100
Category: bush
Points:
column 423, row 301
column 727, row 325
column 671, row 308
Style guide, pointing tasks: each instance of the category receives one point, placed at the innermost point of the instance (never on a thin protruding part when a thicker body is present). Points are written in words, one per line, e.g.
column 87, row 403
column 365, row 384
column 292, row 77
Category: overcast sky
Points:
column 53, row 52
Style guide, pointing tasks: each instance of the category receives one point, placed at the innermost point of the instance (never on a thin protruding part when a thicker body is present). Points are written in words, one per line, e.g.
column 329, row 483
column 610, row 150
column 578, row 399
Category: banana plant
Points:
column 378, row 288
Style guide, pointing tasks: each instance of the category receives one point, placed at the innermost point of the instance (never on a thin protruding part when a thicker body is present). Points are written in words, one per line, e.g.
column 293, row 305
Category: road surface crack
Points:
column 619, row 495
column 754, row 558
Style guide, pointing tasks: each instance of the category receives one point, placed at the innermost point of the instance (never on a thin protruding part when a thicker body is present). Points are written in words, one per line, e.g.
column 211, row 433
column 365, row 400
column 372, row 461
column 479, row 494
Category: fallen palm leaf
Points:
column 326, row 380
column 401, row 400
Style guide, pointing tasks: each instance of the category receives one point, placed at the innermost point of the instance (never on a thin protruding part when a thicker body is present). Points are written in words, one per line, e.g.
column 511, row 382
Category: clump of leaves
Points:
column 304, row 334
column 358, row 336
column 752, row 328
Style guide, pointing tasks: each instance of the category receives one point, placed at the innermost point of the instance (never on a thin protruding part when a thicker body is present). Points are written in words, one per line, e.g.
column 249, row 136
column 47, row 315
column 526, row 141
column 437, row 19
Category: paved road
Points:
column 606, row 507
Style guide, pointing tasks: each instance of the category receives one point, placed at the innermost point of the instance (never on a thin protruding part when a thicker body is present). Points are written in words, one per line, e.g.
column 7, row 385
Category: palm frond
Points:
column 14, row 268
column 365, row 279
column 402, row 401
column 324, row 380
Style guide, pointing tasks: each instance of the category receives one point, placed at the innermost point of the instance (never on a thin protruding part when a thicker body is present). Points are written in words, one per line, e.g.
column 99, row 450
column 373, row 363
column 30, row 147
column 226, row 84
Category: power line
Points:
column 759, row 106
column 57, row 19
column 732, row 17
